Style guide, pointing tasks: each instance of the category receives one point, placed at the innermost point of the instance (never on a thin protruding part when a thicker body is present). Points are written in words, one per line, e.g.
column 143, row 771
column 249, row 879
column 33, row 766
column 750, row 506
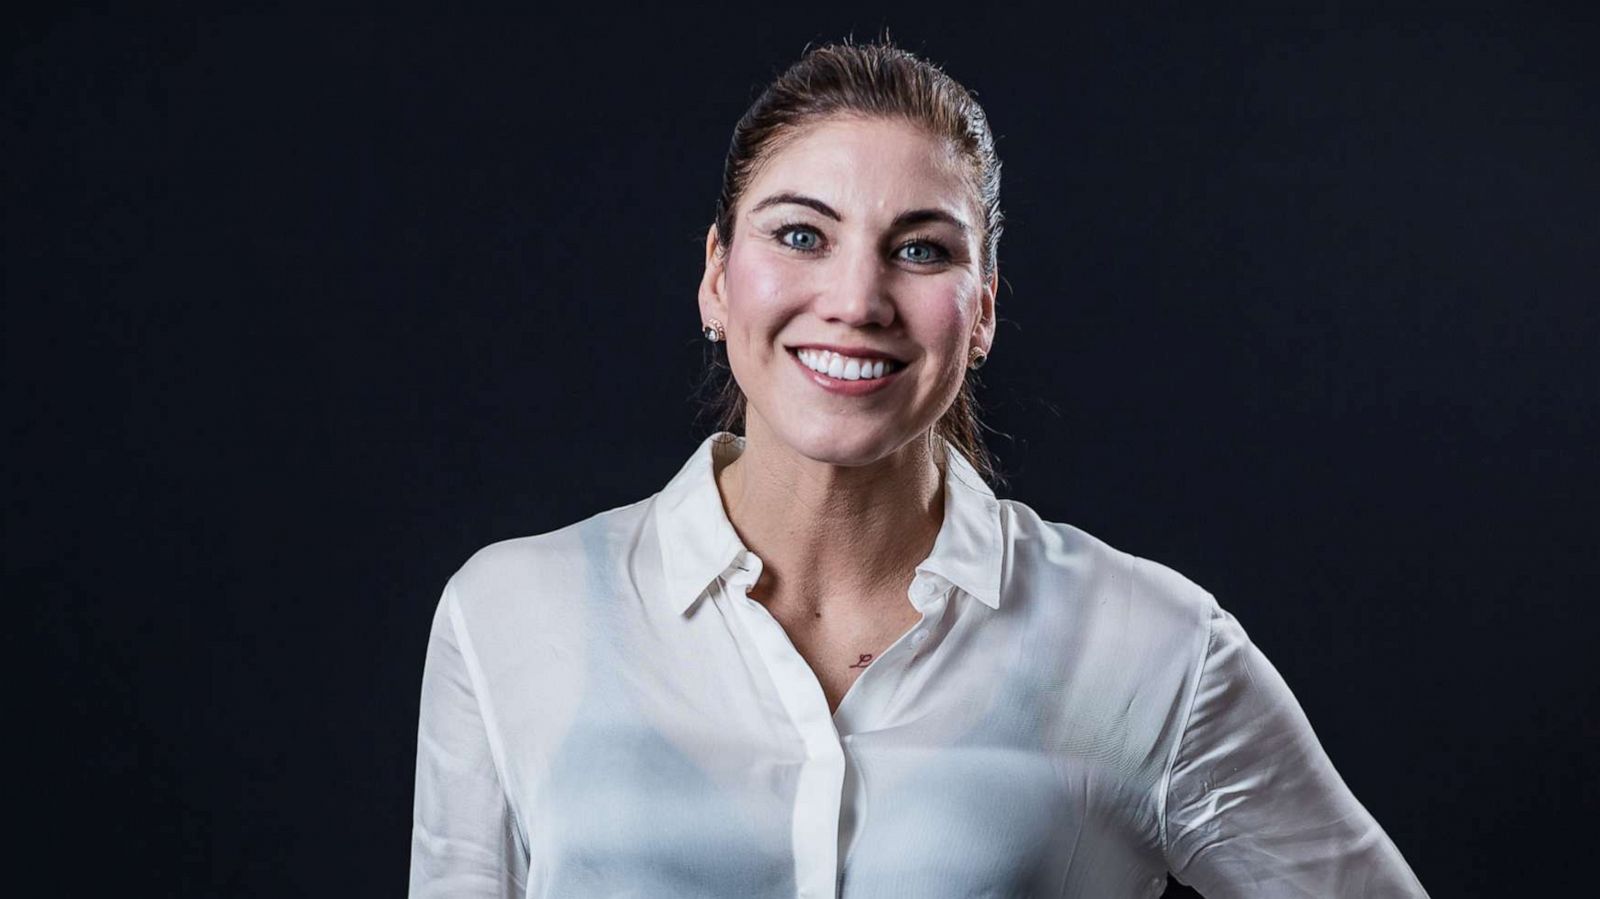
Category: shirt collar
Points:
column 698, row 543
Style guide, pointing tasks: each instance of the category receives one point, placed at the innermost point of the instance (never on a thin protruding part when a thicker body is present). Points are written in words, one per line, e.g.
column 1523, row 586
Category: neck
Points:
column 829, row 535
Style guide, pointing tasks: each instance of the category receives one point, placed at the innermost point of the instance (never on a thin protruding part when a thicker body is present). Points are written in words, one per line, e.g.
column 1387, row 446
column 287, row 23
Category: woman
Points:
column 825, row 660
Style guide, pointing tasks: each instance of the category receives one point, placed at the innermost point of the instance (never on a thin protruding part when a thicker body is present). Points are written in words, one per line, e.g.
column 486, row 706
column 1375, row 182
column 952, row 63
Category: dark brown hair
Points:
column 874, row 80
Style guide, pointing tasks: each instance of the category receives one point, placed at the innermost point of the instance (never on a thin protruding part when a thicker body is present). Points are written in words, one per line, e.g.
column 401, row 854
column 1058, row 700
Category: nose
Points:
column 857, row 294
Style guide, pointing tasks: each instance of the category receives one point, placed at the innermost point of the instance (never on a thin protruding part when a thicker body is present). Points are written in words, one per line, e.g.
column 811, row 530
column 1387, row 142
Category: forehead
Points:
column 868, row 165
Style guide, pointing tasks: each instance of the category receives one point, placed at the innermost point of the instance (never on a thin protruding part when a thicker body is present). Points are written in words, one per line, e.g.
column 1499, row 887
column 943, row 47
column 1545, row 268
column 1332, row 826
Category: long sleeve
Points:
column 464, row 838
column 1254, row 807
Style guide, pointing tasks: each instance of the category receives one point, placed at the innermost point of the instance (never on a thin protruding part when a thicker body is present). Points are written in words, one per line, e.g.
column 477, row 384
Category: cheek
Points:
column 945, row 316
column 761, row 297
column 756, row 284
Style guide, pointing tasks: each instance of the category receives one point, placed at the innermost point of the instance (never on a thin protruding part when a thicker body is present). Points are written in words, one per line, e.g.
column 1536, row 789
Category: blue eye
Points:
column 809, row 241
column 797, row 228
column 937, row 252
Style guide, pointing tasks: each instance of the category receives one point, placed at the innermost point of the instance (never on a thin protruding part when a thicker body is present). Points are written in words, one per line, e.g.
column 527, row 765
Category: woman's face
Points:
column 861, row 236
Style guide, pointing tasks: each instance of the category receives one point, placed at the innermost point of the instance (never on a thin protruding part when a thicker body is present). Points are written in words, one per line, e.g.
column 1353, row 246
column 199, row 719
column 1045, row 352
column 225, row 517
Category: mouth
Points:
column 846, row 366
column 846, row 375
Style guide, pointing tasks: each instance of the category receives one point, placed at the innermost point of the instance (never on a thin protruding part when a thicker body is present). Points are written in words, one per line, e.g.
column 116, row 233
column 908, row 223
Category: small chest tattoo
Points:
column 863, row 661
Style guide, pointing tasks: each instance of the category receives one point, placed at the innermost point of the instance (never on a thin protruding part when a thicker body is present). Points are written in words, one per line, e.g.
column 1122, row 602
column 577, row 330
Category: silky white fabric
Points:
column 606, row 713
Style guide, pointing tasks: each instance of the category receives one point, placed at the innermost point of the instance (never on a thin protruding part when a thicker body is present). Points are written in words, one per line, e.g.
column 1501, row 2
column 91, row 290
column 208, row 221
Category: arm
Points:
column 464, row 837
column 1254, row 807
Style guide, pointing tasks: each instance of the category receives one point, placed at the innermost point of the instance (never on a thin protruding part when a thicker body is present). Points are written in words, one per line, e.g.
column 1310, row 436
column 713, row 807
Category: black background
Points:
column 301, row 309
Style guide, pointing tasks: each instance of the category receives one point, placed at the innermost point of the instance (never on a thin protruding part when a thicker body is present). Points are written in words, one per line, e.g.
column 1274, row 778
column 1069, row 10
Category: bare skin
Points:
column 840, row 495
column 839, row 557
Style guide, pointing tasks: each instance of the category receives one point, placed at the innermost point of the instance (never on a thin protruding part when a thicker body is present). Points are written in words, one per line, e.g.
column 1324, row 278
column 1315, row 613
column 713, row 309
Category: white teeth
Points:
column 843, row 367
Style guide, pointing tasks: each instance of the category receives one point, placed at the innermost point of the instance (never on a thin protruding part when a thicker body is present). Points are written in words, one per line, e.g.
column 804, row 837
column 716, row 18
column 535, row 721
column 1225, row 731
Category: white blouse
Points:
column 606, row 713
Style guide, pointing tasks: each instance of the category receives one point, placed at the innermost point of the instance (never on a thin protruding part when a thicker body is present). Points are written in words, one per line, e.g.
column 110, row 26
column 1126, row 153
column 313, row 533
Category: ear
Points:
column 713, row 283
column 983, row 333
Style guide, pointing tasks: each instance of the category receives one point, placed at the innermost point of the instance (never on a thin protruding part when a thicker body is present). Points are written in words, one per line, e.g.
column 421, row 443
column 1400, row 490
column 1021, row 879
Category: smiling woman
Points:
column 825, row 660
column 858, row 248
column 877, row 128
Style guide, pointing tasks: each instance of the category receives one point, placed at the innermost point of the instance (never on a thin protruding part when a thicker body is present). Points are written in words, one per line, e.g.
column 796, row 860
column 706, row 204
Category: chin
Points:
column 841, row 443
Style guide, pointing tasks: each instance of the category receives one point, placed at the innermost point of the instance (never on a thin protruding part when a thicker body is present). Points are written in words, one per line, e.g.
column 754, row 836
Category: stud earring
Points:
column 714, row 332
column 976, row 358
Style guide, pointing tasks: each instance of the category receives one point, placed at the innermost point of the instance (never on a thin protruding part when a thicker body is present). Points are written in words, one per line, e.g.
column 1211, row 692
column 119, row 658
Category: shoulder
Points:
column 565, row 562
column 1074, row 566
column 1122, row 639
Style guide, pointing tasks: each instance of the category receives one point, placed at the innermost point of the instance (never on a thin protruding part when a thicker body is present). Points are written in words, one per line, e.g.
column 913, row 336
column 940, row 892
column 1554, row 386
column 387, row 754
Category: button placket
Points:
column 819, row 786
column 926, row 593
column 927, row 588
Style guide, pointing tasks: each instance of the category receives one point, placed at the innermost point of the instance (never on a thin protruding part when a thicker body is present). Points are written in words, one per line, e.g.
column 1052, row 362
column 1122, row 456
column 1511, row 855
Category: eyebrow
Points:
column 903, row 220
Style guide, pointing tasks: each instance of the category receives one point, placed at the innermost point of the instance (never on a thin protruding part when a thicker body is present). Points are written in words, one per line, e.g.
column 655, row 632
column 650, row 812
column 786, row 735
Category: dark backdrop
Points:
column 302, row 309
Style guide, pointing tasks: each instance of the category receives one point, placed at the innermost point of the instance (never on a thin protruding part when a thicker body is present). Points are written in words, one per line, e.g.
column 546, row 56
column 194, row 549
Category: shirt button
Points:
column 918, row 637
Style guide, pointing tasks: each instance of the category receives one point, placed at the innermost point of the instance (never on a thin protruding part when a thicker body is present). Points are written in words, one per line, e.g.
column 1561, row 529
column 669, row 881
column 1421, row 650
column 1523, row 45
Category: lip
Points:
column 841, row 386
column 860, row 352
